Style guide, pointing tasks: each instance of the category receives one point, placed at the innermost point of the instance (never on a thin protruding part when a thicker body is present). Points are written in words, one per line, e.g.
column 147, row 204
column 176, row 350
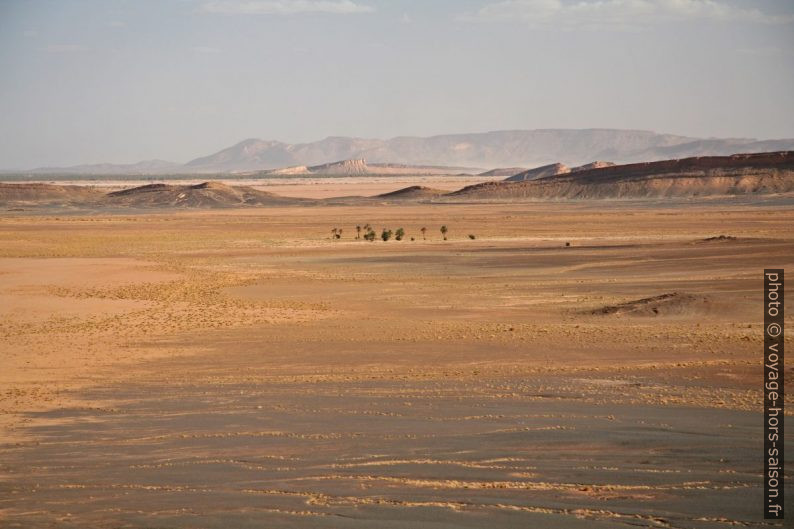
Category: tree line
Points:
column 367, row 233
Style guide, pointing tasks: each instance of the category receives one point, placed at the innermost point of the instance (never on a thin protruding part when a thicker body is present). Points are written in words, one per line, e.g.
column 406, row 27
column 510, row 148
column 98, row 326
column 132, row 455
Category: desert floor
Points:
column 238, row 368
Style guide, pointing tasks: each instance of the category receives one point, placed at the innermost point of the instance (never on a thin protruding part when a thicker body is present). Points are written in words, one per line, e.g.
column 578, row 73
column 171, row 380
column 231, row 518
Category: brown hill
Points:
column 700, row 176
column 592, row 165
column 411, row 193
column 204, row 195
column 18, row 195
column 540, row 172
column 504, row 171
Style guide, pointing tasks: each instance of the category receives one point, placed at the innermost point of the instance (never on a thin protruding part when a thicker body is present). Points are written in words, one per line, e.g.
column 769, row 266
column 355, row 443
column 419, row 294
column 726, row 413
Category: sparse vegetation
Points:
column 444, row 231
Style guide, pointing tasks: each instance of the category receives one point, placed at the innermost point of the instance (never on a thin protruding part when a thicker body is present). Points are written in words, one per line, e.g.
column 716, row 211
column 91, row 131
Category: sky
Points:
column 123, row 81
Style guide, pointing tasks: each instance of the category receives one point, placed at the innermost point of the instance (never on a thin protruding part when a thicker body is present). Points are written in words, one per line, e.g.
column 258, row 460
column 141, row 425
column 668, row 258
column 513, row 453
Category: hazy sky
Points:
column 122, row 81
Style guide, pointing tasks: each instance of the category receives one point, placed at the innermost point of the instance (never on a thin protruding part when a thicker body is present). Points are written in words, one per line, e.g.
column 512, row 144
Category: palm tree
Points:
column 444, row 231
column 423, row 230
column 358, row 231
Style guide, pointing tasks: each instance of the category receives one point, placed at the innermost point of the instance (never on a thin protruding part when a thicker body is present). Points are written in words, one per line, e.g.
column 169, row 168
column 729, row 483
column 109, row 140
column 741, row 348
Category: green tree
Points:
column 423, row 230
column 399, row 234
column 386, row 235
column 370, row 235
column 358, row 231
column 444, row 231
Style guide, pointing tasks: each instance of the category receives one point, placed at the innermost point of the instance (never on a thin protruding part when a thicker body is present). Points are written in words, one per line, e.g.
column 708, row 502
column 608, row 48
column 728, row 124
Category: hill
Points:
column 540, row 172
column 412, row 193
column 554, row 170
column 689, row 177
column 504, row 171
column 204, row 195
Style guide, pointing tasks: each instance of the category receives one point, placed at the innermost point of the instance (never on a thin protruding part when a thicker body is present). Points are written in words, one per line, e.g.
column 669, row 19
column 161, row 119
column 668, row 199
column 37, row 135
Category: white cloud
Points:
column 284, row 7
column 619, row 14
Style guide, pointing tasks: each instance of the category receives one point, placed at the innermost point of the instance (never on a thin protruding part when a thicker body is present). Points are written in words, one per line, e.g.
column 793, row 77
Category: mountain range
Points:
column 509, row 148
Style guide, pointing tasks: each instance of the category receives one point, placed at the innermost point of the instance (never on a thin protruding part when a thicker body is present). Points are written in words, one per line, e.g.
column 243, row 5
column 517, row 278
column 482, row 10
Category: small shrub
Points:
column 472, row 236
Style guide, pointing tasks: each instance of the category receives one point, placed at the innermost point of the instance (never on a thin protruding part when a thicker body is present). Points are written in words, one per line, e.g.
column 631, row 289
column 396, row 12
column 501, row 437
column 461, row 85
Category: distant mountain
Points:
column 509, row 148
column 514, row 148
column 146, row 167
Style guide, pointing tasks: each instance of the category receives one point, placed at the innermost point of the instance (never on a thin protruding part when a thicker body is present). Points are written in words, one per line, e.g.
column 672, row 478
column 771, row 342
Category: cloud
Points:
column 620, row 14
column 285, row 7
column 65, row 48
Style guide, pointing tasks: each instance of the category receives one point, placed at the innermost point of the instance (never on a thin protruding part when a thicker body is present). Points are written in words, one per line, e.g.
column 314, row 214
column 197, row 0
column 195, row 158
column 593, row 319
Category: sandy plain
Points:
column 238, row 368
